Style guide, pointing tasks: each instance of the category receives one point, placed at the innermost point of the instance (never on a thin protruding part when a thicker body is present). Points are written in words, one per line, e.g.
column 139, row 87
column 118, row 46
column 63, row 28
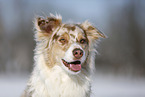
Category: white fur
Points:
column 56, row 82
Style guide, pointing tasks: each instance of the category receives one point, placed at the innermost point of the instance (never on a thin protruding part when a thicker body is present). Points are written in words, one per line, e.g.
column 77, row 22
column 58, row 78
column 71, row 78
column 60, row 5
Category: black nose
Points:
column 78, row 53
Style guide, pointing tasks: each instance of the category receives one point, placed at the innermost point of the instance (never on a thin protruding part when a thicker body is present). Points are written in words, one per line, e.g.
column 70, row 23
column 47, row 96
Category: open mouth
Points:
column 73, row 66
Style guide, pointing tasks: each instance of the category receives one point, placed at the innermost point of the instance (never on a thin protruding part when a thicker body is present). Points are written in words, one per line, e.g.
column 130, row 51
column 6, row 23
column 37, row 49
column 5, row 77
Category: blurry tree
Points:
column 135, row 33
column 2, row 61
column 123, row 50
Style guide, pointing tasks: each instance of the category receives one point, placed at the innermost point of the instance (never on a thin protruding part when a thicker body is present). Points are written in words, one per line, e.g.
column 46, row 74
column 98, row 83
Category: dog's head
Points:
column 66, row 44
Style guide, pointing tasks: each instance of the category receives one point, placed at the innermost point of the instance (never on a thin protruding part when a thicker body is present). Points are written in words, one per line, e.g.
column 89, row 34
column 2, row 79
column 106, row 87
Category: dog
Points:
column 64, row 58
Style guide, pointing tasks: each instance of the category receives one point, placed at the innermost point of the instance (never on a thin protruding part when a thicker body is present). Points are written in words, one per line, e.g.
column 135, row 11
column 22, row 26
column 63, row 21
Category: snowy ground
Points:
column 103, row 86
column 110, row 86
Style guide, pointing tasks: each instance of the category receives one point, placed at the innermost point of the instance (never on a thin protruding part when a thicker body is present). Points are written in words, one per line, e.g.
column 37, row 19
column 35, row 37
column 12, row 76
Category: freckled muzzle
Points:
column 73, row 66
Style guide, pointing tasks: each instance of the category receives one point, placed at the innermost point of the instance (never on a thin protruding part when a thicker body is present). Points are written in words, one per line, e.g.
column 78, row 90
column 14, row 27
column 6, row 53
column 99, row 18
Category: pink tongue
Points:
column 75, row 67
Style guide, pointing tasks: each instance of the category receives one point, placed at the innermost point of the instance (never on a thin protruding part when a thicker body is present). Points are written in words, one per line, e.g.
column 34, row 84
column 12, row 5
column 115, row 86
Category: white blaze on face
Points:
column 69, row 57
column 69, row 53
column 75, row 33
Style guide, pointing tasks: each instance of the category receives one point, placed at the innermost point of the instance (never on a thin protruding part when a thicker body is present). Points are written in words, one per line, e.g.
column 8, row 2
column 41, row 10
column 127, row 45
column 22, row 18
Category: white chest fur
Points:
column 57, row 83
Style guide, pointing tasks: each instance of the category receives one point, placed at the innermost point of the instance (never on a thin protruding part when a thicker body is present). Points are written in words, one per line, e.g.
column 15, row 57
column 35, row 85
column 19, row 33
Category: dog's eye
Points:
column 82, row 41
column 62, row 40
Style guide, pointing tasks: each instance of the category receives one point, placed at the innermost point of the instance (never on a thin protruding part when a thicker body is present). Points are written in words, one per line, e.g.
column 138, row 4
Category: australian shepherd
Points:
column 64, row 58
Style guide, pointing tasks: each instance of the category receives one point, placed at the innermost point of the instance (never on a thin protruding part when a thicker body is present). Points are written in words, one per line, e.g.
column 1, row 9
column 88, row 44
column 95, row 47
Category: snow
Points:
column 110, row 86
column 12, row 86
column 102, row 86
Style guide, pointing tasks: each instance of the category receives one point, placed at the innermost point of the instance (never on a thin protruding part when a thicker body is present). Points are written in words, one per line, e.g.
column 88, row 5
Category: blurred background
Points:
column 120, row 64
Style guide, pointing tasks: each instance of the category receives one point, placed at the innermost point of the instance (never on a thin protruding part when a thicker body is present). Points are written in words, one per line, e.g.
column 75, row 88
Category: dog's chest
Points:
column 62, row 85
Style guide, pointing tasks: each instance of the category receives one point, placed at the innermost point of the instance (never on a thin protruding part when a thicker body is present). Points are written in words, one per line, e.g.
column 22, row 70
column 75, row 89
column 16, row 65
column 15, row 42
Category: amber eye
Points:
column 82, row 41
column 62, row 40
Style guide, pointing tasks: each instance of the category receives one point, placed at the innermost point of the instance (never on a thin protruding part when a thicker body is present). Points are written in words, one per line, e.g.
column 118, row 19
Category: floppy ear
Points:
column 45, row 27
column 91, row 31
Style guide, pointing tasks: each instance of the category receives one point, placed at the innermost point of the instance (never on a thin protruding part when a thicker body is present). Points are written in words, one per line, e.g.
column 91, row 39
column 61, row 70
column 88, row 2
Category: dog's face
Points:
column 68, row 44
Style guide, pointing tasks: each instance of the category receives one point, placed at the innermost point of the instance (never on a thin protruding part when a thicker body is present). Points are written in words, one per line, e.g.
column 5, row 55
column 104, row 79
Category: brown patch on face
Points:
column 59, row 47
column 73, row 28
column 82, row 36
column 72, row 35
column 64, row 39
column 55, row 36
column 70, row 27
